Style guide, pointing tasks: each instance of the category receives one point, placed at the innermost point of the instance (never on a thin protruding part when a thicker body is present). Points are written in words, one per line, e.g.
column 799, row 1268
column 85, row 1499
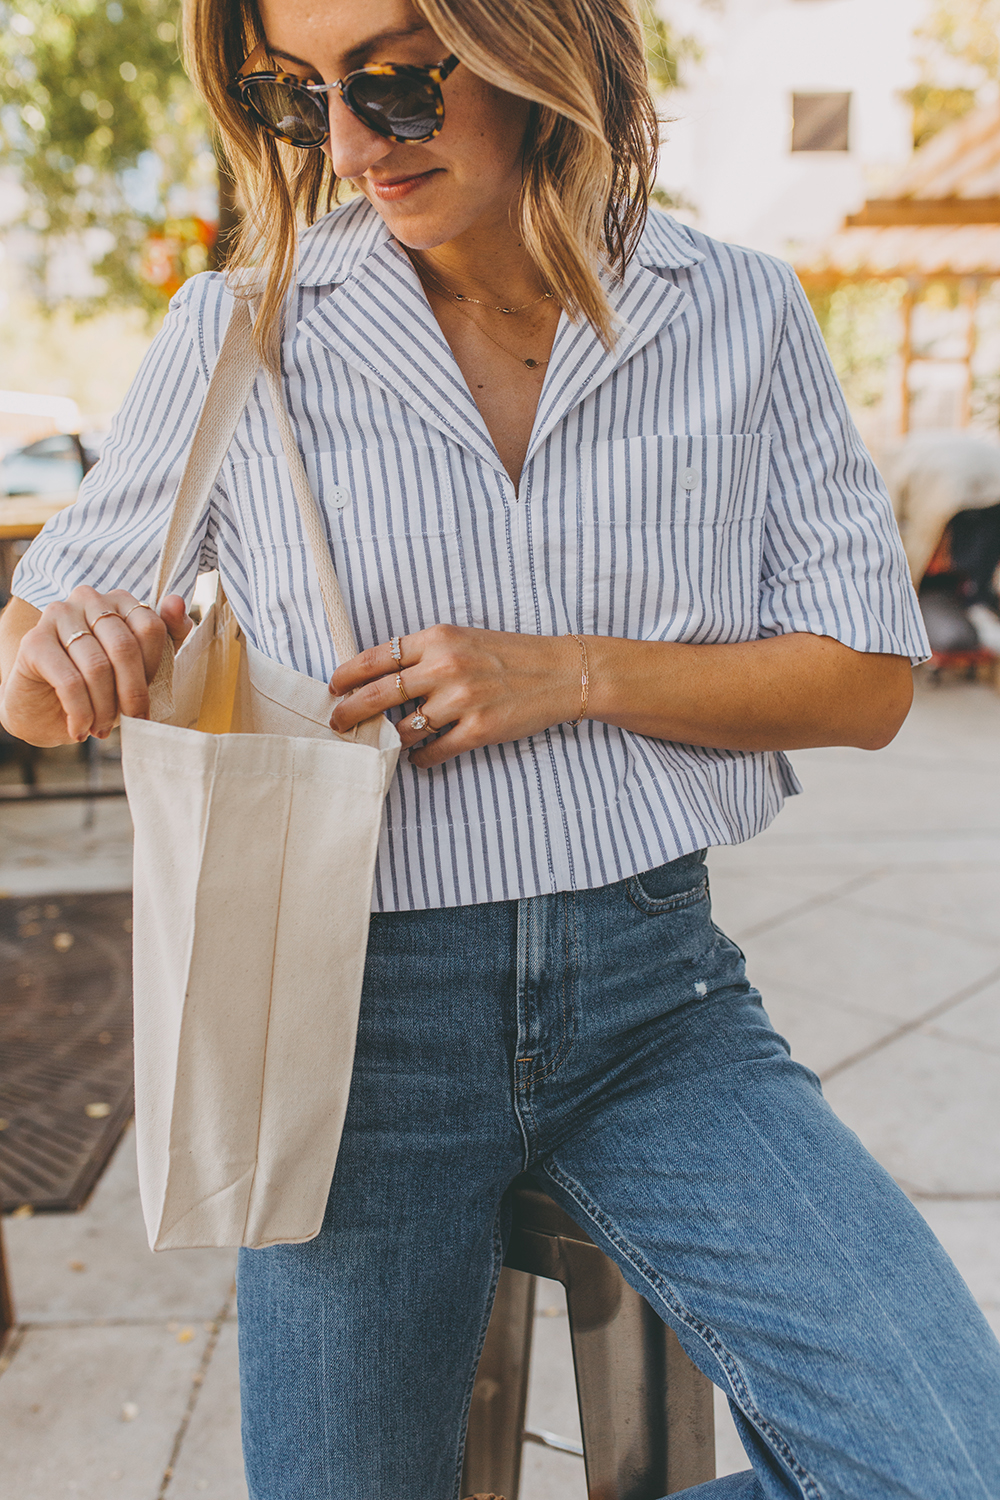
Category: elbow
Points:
column 887, row 714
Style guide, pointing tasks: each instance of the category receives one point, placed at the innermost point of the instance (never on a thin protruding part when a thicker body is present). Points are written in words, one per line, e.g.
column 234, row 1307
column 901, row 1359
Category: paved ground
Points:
column 870, row 915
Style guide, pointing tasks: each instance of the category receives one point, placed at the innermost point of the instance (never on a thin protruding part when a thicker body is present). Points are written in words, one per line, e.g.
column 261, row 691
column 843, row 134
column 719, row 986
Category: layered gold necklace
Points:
column 460, row 297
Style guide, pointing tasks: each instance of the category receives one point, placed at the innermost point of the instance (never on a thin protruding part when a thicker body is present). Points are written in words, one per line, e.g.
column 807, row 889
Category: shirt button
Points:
column 340, row 497
column 690, row 478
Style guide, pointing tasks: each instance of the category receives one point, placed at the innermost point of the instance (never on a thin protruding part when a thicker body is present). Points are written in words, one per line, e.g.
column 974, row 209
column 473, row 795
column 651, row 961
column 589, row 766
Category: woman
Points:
column 592, row 492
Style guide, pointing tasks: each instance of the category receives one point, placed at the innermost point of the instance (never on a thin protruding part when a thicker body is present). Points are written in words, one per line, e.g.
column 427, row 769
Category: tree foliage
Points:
column 959, row 42
column 103, row 131
column 666, row 49
column 969, row 31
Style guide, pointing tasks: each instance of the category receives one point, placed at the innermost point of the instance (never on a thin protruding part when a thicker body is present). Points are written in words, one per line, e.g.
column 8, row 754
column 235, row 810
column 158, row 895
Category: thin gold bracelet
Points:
column 584, row 680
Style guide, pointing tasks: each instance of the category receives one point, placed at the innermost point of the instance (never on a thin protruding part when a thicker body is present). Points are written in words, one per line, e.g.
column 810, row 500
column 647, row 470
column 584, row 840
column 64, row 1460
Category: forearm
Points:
column 786, row 693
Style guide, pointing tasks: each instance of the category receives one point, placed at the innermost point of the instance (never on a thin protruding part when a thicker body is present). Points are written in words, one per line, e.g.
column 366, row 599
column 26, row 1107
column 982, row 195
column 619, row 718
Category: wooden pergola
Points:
column 940, row 223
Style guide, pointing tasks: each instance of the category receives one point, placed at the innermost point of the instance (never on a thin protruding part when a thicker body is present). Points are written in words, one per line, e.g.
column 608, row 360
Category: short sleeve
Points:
column 110, row 537
column 833, row 562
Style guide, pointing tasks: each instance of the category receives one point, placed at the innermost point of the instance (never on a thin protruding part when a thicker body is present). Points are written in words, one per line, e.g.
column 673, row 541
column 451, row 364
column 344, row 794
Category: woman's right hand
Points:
column 83, row 662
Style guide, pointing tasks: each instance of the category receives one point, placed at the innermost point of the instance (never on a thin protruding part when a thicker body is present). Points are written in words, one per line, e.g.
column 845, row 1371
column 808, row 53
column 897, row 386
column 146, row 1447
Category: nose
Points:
column 352, row 147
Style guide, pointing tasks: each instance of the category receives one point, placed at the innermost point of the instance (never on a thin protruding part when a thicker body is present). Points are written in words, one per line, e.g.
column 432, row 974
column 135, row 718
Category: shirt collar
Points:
column 334, row 246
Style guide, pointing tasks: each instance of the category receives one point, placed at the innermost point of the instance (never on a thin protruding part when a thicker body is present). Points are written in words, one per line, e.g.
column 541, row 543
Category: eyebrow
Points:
column 362, row 47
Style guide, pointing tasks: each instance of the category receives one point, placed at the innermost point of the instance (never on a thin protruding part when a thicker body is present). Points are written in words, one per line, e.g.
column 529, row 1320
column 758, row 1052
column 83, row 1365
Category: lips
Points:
column 391, row 189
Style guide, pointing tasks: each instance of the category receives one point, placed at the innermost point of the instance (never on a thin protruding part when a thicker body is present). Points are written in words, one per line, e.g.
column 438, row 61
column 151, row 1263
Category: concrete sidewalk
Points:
column 870, row 916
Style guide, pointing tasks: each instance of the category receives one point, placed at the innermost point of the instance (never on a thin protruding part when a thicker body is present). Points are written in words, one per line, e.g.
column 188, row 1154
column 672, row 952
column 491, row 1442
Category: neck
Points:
column 497, row 269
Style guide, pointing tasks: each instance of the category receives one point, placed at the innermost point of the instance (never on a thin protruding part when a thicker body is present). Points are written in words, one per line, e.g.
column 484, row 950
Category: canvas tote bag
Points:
column 256, row 829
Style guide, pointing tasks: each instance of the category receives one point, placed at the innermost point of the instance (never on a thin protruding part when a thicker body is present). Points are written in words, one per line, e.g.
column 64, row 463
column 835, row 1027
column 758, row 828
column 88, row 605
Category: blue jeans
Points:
column 608, row 1042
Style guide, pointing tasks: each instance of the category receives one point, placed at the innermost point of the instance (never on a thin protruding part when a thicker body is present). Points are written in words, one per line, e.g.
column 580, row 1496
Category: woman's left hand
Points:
column 484, row 687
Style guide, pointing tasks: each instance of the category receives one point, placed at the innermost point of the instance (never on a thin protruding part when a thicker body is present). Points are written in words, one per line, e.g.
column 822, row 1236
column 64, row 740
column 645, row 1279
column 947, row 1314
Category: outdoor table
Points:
column 21, row 519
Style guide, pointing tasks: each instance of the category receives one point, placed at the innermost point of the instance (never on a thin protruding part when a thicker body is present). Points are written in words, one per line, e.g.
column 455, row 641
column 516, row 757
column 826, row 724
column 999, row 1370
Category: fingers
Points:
column 375, row 697
column 93, row 655
column 46, row 700
column 376, row 662
column 441, row 748
column 174, row 613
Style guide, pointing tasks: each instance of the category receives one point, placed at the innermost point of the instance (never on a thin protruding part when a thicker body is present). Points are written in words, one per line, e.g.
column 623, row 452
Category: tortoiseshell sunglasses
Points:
column 397, row 101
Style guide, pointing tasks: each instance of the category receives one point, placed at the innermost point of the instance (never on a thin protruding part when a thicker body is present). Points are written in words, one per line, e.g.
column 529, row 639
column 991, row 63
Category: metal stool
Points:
column 645, row 1410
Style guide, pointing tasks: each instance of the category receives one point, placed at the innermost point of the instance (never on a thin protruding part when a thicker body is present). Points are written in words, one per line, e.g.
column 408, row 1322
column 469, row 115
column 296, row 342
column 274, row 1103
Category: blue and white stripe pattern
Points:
column 701, row 482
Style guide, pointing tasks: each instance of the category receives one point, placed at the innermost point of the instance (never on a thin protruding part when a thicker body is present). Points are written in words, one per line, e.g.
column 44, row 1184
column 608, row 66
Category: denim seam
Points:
column 559, row 1056
column 522, row 1101
column 666, row 1294
column 653, row 906
column 480, row 1343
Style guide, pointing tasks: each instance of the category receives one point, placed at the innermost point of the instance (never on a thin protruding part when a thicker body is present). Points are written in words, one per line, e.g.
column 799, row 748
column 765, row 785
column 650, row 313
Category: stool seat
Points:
column 645, row 1411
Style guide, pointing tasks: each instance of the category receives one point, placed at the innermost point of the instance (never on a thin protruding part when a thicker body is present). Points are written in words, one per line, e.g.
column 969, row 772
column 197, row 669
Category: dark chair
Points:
column 645, row 1410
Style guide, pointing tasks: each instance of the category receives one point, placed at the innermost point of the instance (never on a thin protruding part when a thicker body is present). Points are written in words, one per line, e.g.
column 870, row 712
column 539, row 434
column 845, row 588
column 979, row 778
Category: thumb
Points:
column 174, row 615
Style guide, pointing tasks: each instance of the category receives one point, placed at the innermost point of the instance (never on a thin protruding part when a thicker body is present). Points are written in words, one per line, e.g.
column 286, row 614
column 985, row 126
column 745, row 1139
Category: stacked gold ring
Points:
column 404, row 695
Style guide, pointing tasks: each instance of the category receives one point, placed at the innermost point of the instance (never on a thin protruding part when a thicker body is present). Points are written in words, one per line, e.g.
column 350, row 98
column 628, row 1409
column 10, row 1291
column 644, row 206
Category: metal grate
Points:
column 65, row 1044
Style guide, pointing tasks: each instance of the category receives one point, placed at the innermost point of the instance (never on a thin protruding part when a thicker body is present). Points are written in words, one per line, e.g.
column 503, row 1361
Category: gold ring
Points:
column 107, row 615
column 396, row 651
column 420, row 722
column 135, row 607
column 75, row 637
column 402, row 690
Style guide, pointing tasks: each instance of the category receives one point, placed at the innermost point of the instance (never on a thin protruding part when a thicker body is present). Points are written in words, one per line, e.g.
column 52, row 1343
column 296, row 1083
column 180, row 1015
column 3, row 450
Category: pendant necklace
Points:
column 530, row 364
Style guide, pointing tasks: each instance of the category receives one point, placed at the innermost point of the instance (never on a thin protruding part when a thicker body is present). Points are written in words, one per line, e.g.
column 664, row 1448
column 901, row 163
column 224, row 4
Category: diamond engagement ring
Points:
column 421, row 721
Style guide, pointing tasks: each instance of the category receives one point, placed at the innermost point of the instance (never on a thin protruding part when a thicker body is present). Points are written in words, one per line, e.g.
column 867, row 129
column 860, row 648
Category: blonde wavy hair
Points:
column 589, row 153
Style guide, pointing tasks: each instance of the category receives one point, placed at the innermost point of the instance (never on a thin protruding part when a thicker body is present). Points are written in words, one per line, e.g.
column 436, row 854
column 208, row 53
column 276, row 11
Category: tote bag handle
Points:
column 225, row 401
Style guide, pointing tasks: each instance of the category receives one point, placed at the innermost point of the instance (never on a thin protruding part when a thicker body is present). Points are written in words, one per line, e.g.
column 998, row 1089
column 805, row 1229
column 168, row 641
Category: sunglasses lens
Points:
column 289, row 112
column 393, row 104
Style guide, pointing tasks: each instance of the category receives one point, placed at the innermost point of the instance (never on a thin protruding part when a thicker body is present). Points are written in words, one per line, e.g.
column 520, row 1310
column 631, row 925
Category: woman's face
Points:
column 466, row 178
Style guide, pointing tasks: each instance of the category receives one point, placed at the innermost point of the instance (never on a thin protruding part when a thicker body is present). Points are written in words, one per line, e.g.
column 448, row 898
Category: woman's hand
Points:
column 484, row 687
column 785, row 692
column 82, row 662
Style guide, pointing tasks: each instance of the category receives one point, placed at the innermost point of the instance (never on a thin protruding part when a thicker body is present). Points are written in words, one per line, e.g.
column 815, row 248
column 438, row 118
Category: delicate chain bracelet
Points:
column 584, row 680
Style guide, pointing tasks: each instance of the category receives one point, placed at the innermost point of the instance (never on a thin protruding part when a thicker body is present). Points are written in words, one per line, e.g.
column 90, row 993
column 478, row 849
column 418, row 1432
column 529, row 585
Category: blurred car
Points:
column 52, row 466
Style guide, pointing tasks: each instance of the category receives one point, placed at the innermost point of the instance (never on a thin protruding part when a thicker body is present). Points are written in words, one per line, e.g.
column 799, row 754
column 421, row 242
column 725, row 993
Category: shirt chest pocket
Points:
column 669, row 537
column 393, row 536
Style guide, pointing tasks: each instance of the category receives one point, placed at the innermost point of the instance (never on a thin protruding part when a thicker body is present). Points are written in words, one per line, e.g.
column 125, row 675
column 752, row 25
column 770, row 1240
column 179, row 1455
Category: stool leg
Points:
column 645, row 1411
column 500, row 1395
column 6, row 1301
column 690, row 1418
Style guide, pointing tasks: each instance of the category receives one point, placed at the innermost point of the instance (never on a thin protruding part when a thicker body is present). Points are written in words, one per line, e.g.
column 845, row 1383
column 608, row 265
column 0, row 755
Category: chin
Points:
column 419, row 230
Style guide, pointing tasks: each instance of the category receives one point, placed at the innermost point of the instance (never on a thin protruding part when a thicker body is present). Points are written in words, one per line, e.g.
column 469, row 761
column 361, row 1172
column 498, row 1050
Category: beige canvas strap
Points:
column 312, row 524
column 225, row 401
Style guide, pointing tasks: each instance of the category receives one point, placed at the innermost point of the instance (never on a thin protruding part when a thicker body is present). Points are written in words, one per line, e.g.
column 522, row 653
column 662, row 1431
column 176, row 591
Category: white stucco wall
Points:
column 728, row 152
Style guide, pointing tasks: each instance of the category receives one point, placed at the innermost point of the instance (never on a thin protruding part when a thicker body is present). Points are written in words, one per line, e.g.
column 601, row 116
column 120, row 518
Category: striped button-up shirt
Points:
column 699, row 482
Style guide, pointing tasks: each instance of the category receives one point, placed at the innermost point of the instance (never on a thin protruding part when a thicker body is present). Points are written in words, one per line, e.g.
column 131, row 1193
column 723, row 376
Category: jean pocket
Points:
column 671, row 887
